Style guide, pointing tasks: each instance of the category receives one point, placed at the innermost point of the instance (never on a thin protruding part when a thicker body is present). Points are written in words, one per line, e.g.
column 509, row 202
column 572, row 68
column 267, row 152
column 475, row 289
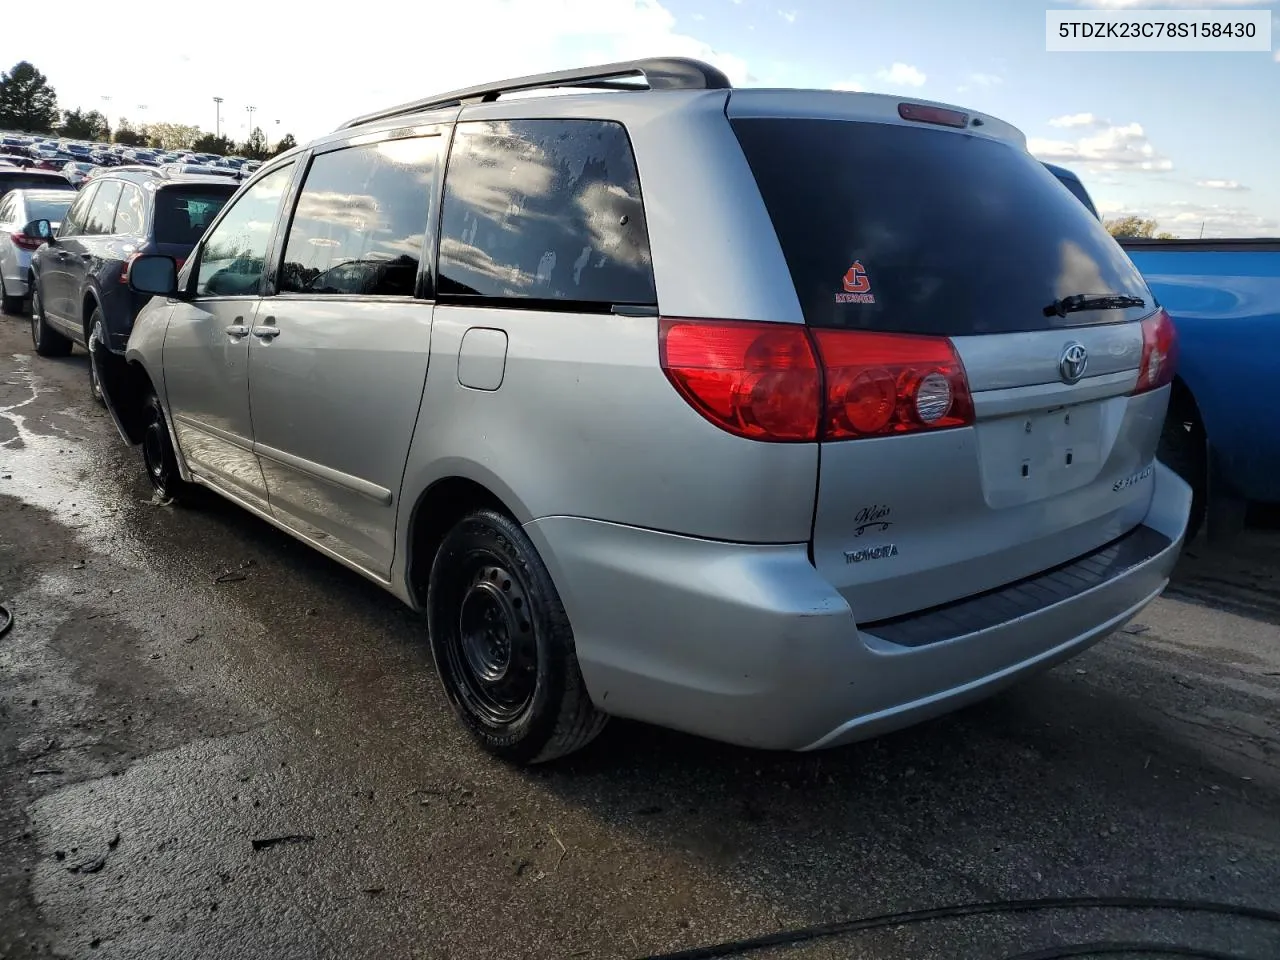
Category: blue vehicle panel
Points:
column 1224, row 298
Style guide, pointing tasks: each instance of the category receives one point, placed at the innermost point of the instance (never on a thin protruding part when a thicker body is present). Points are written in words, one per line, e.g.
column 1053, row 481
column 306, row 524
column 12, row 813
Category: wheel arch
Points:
column 441, row 503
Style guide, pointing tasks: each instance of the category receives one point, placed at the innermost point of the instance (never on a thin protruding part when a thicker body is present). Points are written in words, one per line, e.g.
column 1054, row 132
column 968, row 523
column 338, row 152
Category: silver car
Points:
column 785, row 418
column 17, row 209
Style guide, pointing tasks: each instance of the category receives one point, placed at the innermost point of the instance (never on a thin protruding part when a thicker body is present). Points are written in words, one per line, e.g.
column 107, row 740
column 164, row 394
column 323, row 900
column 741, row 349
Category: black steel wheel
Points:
column 97, row 336
column 47, row 341
column 158, row 455
column 503, row 645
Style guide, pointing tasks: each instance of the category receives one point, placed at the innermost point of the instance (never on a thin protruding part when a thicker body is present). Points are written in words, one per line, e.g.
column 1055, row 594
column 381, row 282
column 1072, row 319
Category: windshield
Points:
column 960, row 235
column 184, row 213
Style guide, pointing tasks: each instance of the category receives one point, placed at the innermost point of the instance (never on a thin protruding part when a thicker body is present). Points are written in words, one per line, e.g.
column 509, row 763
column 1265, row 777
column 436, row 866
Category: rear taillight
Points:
column 1159, row 352
column 785, row 382
column 128, row 262
column 25, row 242
column 888, row 383
column 757, row 380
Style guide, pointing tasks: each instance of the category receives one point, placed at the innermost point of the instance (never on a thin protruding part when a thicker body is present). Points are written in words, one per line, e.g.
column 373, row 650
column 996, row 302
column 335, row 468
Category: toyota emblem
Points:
column 1075, row 359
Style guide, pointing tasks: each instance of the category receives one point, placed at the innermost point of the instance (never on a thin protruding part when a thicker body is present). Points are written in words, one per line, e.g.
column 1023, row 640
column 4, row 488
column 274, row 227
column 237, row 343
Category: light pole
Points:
column 107, row 109
column 217, row 122
column 251, row 109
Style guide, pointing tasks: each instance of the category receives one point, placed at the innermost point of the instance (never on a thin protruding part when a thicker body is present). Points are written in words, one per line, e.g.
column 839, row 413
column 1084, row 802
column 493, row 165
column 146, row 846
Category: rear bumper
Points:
column 749, row 645
column 15, row 267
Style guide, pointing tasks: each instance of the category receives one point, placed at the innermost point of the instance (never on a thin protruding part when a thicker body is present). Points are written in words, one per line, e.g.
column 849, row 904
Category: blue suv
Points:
column 79, row 279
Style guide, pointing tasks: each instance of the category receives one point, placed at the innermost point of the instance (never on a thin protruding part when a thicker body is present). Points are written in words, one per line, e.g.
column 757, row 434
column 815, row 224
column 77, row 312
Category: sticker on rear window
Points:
column 857, row 286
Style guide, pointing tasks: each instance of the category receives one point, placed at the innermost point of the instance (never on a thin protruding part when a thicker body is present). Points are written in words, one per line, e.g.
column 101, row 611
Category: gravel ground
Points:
column 183, row 686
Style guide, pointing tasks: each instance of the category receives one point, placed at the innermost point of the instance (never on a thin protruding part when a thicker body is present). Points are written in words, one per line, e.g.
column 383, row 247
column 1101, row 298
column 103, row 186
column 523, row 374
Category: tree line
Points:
column 28, row 104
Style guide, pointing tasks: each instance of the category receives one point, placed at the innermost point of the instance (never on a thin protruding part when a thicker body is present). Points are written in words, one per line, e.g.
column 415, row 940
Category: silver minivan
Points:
column 781, row 417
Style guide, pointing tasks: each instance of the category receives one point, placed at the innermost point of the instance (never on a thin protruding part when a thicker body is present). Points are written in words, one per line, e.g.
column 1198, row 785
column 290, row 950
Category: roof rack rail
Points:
column 658, row 73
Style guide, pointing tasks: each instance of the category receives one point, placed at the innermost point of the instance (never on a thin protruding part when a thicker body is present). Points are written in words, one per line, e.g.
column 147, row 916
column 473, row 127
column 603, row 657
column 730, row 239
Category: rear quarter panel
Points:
column 1225, row 304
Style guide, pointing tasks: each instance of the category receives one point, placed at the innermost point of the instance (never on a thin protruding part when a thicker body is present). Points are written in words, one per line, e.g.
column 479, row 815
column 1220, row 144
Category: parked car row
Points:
column 77, row 160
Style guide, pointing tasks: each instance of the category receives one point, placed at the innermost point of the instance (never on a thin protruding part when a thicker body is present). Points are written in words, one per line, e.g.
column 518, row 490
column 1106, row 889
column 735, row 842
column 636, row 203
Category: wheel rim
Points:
column 495, row 648
column 95, row 382
column 153, row 452
column 35, row 314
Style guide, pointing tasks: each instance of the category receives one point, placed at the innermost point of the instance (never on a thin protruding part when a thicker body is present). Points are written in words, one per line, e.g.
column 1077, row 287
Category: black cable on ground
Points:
column 788, row 938
column 6, row 620
column 1137, row 949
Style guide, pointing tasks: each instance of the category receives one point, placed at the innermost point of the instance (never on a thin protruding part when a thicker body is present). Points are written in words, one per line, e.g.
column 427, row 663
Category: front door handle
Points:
column 237, row 330
column 267, row 330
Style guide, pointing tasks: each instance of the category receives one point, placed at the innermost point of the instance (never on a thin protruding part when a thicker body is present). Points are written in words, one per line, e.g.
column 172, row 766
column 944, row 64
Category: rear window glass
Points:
column 544, row 210
column 26, row 181
column 44, row 208
column 184, row 213
column 901, row 228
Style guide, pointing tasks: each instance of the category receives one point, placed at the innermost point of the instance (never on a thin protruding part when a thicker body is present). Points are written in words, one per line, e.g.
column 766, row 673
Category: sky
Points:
column 1191, row 139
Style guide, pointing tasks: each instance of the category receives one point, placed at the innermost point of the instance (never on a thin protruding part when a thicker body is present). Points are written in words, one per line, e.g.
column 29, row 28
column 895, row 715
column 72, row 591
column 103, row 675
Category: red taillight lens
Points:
column 25, row 242
column 888, row 383
column 1159, row 352
column 785, row 382
column 756, row 380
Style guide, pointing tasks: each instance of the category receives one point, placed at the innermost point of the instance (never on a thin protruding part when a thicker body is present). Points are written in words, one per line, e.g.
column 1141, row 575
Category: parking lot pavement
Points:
column 216, row 743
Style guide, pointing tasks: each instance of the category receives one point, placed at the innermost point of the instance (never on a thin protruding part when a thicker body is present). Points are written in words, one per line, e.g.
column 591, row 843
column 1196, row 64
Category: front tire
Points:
column 503, row 645
column 47, row 341
column 97, row 334
column 159, row 456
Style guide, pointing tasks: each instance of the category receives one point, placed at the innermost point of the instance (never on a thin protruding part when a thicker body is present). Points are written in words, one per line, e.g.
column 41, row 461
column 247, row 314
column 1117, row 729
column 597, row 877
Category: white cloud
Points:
column 1123, row 147
column 1221, row 184
column 849, row 86
column 788, row 15
column 1077, row 120
column 699, row 17
column 536, row 35
column 901, row 75
column 986, row 79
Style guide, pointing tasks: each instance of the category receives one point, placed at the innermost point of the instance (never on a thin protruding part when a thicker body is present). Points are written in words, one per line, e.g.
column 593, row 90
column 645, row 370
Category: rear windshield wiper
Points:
column 1091, row 301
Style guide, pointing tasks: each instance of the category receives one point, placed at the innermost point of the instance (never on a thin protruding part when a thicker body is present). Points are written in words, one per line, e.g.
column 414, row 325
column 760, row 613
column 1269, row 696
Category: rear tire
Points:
column 1184, row 449
column 98, row 334
column 47, row 341
column 503, row 645
column 159, row 456
column 8, row 304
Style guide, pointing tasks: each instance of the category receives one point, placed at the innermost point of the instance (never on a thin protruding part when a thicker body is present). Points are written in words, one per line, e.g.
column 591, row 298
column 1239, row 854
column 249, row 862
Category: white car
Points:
column 17, row 209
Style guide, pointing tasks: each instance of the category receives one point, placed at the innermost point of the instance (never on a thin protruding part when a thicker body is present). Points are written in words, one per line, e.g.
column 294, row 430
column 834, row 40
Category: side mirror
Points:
column 154, row 274
column 38, row 230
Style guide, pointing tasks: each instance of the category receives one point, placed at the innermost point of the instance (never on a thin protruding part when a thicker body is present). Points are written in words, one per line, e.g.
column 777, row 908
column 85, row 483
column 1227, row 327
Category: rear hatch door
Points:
column 901, row 227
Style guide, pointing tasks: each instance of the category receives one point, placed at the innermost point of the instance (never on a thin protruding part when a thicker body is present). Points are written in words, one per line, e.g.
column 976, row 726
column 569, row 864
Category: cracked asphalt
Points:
column 216, row 743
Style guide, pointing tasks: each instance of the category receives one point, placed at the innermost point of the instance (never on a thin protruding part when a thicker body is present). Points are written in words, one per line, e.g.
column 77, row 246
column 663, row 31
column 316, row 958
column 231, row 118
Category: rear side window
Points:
column 184, row 213
column 131, row 212
column 544, row 210
column 906, row 229
column 103, row 209
column 361, row 220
